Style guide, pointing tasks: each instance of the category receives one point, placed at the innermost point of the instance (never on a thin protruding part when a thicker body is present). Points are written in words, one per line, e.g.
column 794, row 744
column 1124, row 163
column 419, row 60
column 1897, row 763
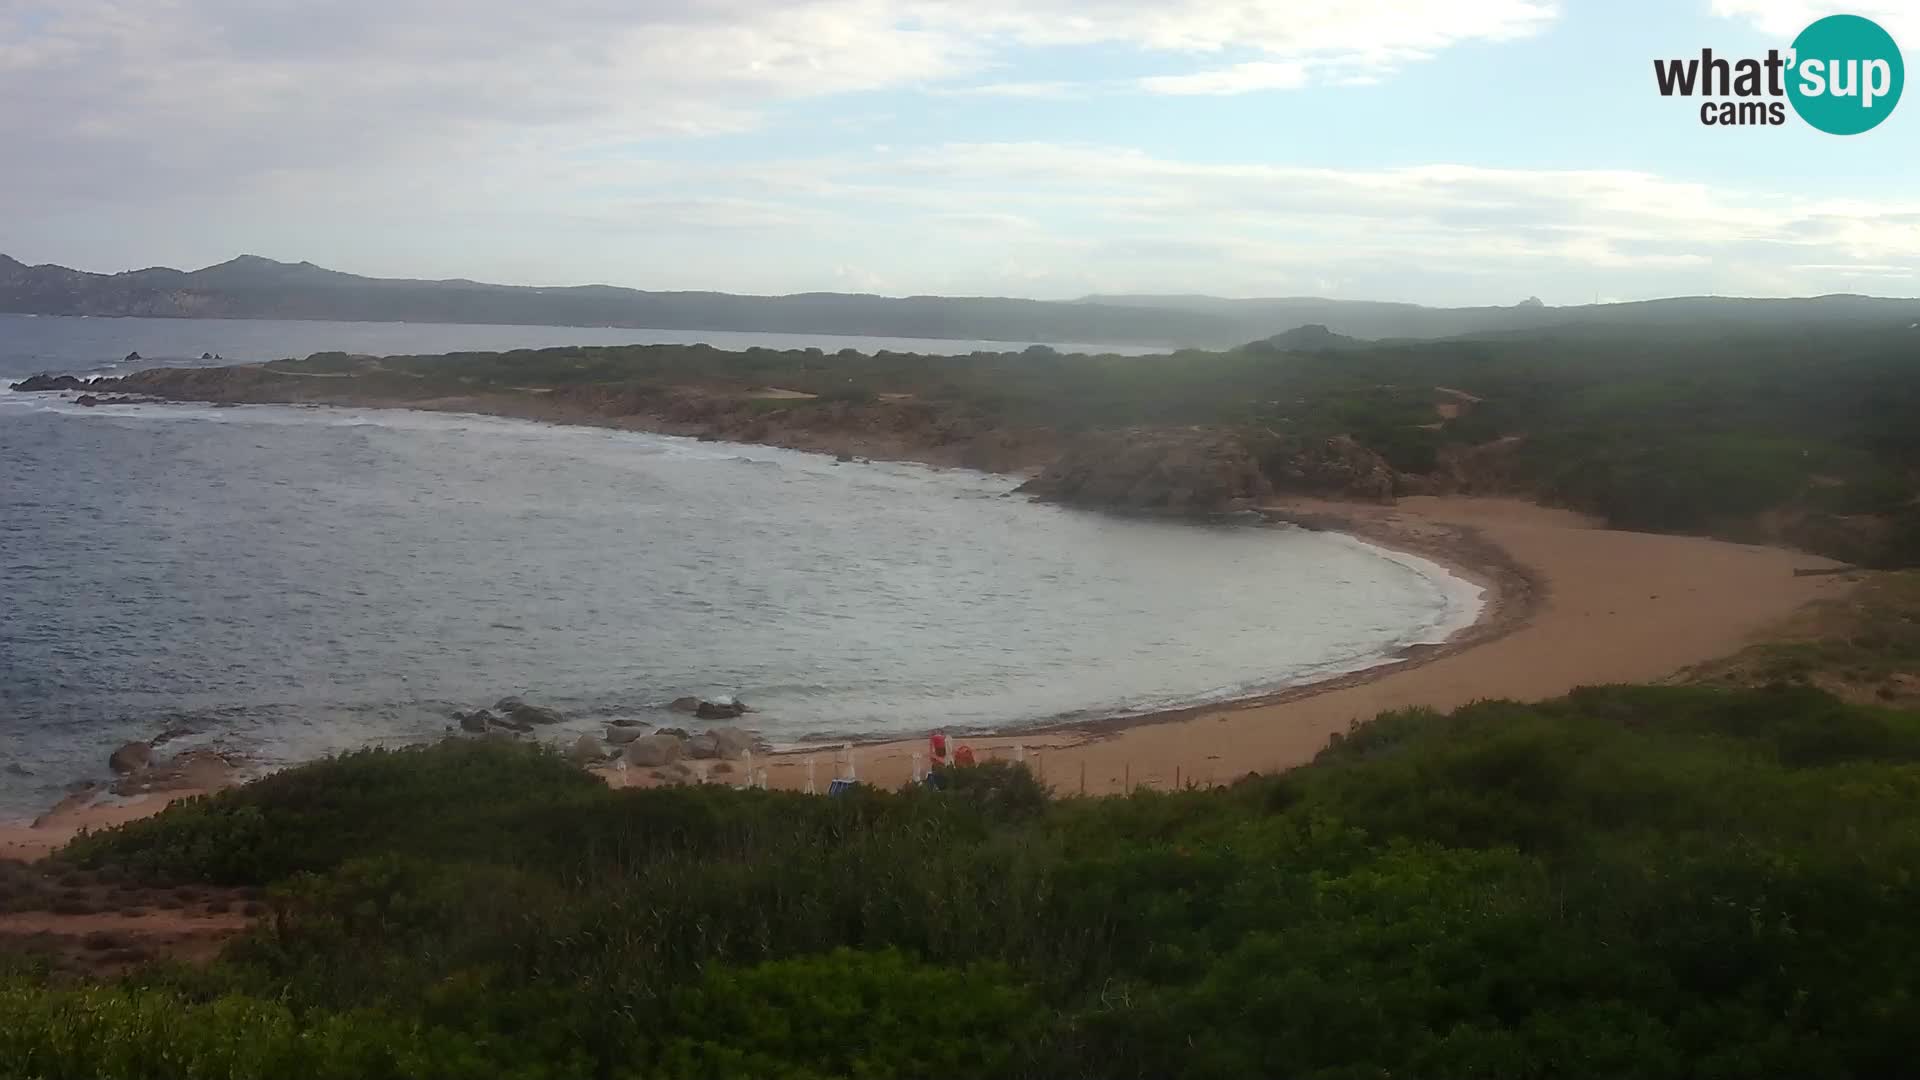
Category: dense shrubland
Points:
column 1682, row 429
column 1674, row 881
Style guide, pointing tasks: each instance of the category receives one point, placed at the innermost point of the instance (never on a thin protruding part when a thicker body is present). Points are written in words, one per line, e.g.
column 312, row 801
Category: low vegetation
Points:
column 1802, row 435
column 1630, row 881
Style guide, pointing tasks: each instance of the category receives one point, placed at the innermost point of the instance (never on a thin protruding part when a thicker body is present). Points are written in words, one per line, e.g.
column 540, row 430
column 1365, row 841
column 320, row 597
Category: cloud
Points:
column 100, row 98
column 1786, row 18
column 1036, row 218
column 1238, row 79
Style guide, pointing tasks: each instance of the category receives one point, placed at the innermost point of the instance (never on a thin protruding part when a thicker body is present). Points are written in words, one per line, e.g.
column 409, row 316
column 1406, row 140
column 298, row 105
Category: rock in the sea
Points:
column 206, row 356
column 534, row 714
column 194, row 770
column 678, row 733
column 685, row 704
column 703, row 747
column 508, row 704
column 132, row 357
column 628, row 721
column 475, row 721
column 653, row 751
column 130, row 758
column 587, row 751
column 40, row 383
column 733, row 742
column 509, row 723
column 620, row 736
column 87, row 400
column 719, row 710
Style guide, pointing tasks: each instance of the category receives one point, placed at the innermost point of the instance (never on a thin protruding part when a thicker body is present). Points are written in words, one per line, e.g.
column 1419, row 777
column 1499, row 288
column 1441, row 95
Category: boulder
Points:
column 41, row 383
column 508, row 704
column 206, row 356
column 132, row 757
column 475, row 721
column 628, row 721
column 703, row 747
column 678, row 733
column 732, row 742
column 533, row 714
column 132, row 357
column 587, row 751
column 685, row 704
column 620, row 736
column 719, row 710
column 653, row 751
column 508, row 723
column 87, row 400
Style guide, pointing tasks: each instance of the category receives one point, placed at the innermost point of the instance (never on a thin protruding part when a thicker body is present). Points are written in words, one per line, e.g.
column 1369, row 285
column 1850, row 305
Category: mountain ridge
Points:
column 255, row 287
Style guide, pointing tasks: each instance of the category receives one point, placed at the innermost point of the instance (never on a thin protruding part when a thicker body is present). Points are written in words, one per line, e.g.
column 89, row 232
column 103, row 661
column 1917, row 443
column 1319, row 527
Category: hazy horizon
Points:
column 1467, row 154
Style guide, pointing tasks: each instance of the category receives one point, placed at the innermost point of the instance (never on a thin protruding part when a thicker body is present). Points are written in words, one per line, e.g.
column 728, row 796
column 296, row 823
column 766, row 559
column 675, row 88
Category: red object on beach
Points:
column 937, row 747
column 963, row 756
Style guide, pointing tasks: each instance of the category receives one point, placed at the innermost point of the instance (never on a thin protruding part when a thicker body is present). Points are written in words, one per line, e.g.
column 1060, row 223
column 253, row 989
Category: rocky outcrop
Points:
column 1336, row 466
column 719, row 710
column 732, row 742
column 1184, row 470
column 130, row 758
column 44, row 383
column 586, row 750
column 522, row 713
column 652, row 751
column 620, row 736
column 475, row 721
column 703, row 747
column 684, row 704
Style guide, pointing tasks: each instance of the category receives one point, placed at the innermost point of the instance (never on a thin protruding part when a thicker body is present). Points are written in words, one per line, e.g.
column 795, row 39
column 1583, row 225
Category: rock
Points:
column 475, row 721
column 628, row 721
column 586, row 751
column 685, row 704
column 206, row 356
column 733, row 742
column 620, row 736
column 130, row 758
column 653, row 751
column 715, row 710
column 533, row 714
column 1181, row 470
column 703, row 746
column 720, row 768
column 14, row 768
column 678, row 733
column 194, row 770
column 509, row 723
column 508, row 704
column 43, row 383
column 132, row 357
column 87, row 400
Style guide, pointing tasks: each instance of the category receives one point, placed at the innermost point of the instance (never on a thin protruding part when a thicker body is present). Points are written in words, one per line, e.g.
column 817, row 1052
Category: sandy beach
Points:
column 1568, row 604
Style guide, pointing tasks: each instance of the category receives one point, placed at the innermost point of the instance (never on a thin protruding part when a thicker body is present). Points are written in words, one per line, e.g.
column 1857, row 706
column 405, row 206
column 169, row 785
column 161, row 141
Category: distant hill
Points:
column 251, row 287
column 1312, row 337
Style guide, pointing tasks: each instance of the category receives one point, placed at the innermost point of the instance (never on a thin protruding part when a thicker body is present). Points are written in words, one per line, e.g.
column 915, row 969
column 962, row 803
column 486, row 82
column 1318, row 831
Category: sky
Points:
column 1458, row 152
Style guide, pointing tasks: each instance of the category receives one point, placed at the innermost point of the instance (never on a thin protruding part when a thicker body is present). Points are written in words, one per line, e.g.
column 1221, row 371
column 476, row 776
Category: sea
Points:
column 289, row 582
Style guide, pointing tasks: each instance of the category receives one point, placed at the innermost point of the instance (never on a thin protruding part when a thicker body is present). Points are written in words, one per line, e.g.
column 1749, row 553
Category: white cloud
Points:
column 1238, row 79
column 1786, row 18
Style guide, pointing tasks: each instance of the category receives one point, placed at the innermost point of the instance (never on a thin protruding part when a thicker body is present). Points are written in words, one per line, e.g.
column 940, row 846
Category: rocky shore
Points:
column 1184, row 470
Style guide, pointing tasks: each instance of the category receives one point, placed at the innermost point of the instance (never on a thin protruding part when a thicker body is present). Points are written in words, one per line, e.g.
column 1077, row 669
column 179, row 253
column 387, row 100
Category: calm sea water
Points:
column 290, row 582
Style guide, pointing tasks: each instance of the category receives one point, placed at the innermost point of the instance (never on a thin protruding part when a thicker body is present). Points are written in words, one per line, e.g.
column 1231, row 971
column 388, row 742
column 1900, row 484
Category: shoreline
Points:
column 1469, row 546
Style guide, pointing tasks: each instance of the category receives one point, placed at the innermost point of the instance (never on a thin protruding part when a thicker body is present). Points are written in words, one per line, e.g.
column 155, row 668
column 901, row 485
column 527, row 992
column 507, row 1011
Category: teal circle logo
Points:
column 1847, row 75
